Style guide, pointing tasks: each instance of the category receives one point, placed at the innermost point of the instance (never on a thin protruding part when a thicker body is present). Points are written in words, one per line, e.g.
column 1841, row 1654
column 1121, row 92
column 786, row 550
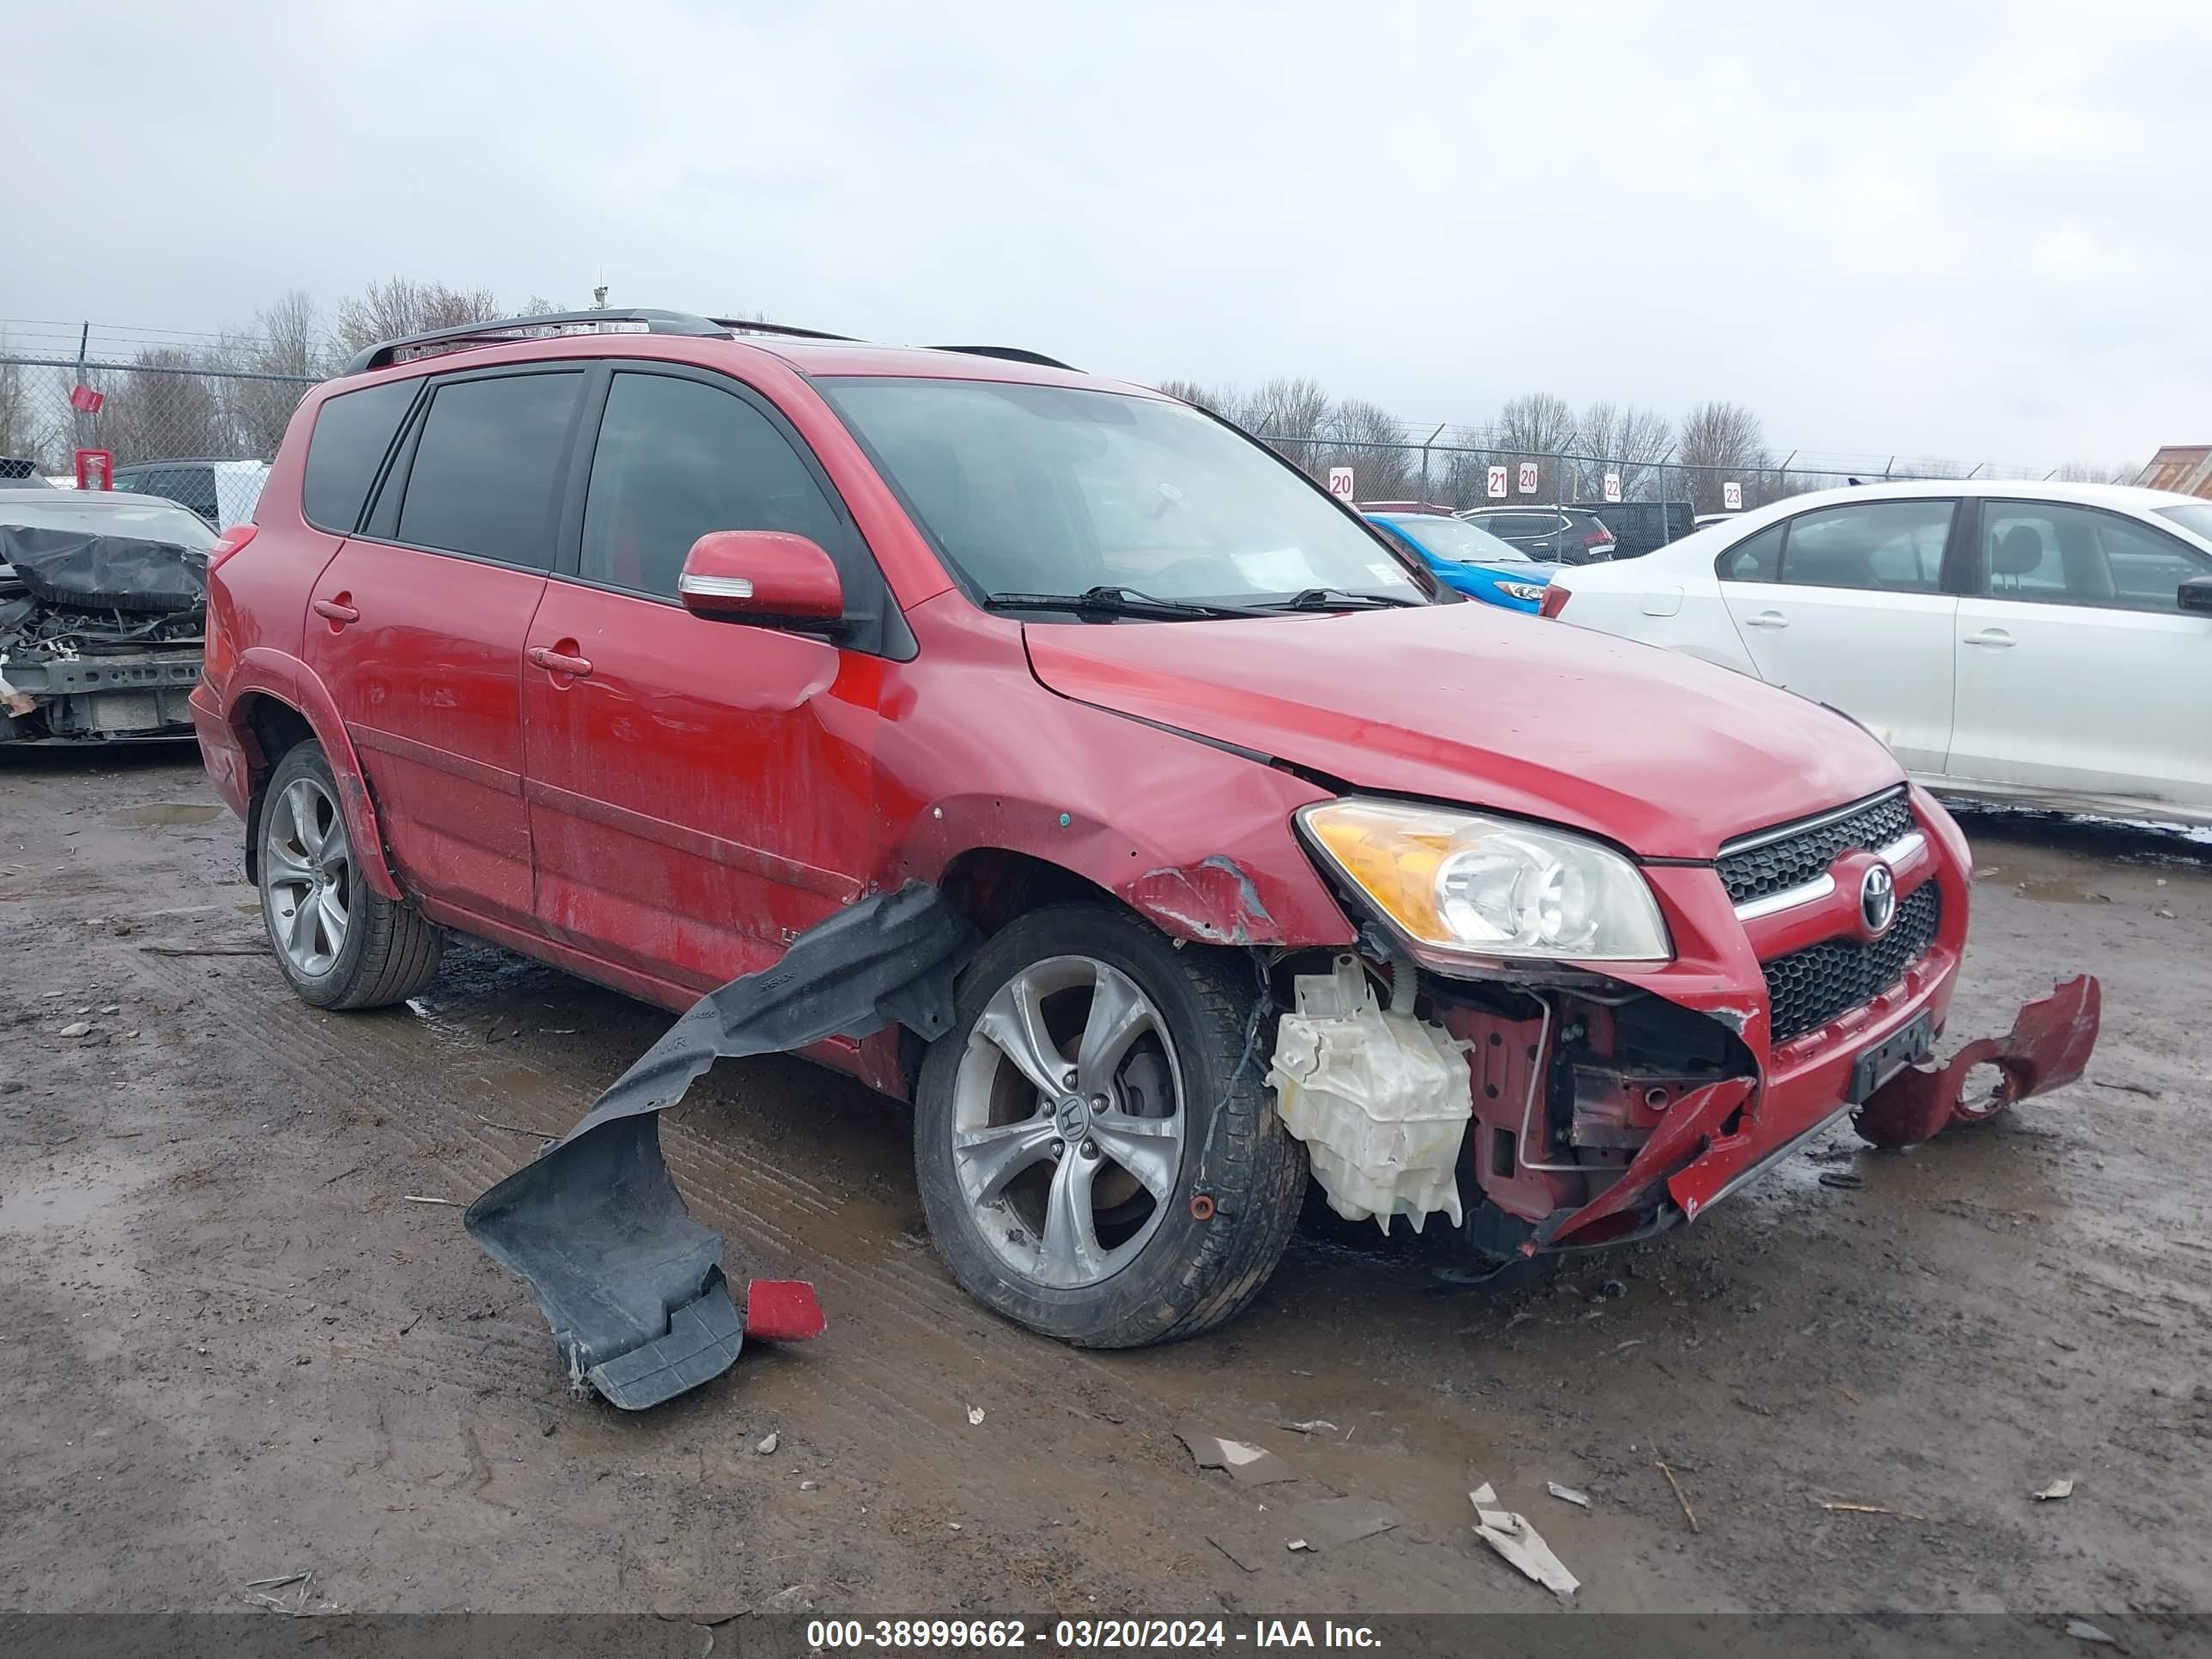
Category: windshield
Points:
column 143, row 521
column 1047, row 490
column 1456, row 540
column 2195, row 519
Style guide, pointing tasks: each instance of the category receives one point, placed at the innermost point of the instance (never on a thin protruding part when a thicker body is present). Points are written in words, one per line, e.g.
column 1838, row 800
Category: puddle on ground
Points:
column 2055, row 889
column 162, row 814
column 57, row 1204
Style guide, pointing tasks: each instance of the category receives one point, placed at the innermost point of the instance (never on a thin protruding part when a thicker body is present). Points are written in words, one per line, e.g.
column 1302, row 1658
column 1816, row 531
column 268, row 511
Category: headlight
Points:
column 1527, row 592
column 1486, row 886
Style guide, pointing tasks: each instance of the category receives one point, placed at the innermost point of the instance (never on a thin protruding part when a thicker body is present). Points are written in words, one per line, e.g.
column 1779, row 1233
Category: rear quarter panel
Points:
column 257, row 608
column 1663, row 599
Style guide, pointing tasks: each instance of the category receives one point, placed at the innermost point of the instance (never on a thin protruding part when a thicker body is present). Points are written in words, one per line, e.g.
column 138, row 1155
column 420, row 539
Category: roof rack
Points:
column 738, row 325
column 544, row 325
column 504, row 330
column 1012, row 354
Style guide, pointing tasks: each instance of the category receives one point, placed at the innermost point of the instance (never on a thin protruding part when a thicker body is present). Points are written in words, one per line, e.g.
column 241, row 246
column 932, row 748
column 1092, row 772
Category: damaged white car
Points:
column 103, row 602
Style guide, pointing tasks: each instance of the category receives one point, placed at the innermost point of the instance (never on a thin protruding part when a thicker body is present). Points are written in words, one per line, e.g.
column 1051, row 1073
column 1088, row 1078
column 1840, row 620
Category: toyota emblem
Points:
column 1878, row 899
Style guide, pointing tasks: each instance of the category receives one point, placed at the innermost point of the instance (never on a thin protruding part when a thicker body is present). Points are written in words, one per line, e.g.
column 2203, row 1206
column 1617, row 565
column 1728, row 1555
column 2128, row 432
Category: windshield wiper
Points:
column 1112, row 600
column 1336, row 598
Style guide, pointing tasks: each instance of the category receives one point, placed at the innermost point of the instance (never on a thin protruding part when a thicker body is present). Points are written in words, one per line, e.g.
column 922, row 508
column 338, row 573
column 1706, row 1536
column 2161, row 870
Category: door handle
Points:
column 1995, row 638
column 1766, row 619
column 559, row 662
column 335, row 611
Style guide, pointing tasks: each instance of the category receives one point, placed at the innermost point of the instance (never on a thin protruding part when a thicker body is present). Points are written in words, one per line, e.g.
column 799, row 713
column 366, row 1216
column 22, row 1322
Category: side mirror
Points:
column 763, row 576
column 2194, row 594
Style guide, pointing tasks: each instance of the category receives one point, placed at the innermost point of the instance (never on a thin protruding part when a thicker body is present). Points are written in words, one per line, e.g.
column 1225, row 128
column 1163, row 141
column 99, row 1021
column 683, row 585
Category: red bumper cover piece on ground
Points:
column 2047, row 1047
column 783, row 1310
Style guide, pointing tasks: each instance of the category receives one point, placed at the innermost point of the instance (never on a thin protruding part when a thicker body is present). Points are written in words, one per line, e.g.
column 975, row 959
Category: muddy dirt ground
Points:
column 230, row 1349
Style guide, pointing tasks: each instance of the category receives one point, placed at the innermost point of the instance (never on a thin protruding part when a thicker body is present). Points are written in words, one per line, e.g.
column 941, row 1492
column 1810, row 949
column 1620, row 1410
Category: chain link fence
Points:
column 51, row 407
column 1465, row 468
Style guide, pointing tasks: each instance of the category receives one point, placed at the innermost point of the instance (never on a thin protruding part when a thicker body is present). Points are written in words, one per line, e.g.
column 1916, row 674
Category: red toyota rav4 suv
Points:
column 641, row 643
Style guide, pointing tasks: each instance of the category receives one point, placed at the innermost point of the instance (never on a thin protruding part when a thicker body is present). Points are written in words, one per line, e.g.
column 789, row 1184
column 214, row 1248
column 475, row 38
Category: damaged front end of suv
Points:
column 101, row 635
column 1601, row 1047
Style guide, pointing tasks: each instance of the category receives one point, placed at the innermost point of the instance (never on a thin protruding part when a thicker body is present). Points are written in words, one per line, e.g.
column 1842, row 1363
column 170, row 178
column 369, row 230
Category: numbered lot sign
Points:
column 1340, row 482
column 1528, row 477
column 1497, row 484
column 1613, row 486
column 1732, row 496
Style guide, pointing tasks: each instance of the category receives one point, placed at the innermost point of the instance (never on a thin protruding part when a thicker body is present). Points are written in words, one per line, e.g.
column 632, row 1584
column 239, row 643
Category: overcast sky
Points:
column 1963, row 231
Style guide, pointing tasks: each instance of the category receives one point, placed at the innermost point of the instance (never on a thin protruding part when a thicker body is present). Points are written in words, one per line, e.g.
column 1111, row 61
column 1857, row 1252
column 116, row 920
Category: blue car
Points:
column 1472, row 560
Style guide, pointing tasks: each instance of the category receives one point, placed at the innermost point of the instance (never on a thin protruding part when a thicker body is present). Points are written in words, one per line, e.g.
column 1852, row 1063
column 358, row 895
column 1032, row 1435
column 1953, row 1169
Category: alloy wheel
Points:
column 1068, row 1120
column 307, row 878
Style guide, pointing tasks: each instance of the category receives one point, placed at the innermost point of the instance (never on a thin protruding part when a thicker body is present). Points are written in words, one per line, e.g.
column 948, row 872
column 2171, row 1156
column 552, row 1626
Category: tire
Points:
column 1155, row 1271
column 352, row 947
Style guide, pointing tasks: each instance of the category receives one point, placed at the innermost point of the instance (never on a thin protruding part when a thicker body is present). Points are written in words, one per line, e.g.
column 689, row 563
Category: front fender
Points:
column 1238, row 879
column 262, row 671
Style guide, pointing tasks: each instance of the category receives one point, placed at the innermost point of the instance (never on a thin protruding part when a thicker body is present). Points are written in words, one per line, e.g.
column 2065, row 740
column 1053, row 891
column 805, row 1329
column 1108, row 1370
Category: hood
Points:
column 1516, row 572
column 108, row 573
column 1665, row 754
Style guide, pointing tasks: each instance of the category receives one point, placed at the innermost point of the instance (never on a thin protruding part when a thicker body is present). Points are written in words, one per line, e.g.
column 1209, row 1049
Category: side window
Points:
column 482, row 480
column 187, row 486
column 1889, row 546
column 194, row 487
column 1756, row 560
column 352, row 433
column 2060, row 555
column 677, row 459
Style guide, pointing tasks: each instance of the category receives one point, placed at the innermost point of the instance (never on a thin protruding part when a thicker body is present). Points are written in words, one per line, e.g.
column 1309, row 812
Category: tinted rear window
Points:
column 482, row 481
column 1519, row 523
column 352, row 433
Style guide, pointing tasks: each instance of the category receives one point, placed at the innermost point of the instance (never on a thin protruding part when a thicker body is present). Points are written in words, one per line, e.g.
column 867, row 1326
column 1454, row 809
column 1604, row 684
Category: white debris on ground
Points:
column 1512, row 1535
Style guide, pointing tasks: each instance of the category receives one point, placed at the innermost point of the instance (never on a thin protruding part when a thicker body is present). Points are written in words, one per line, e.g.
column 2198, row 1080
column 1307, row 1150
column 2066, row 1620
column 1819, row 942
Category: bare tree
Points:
column 1721, row 441
column 1462, row 480
column 1534, row 423
column 1622, row 438
column 2093, row 472
column 1205, row 397
column 163, row 410
column 1535, row 426
column 1249, row 409
column 1292, row 415
column 1374, row 444
column 401, row 305
column 24, row 434
column 287, row 339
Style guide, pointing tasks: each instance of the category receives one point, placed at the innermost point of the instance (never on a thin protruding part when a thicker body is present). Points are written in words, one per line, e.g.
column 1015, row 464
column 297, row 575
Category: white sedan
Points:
column 2041, row 643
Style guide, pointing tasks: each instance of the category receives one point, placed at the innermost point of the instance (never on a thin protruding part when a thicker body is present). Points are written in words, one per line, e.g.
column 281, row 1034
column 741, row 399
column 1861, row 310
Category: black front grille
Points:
column 1792, row 860
column 1807, row 989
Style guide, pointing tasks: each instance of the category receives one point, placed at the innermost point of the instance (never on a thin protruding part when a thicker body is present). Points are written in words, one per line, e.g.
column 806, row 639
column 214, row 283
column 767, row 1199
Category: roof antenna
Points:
column 599, row 297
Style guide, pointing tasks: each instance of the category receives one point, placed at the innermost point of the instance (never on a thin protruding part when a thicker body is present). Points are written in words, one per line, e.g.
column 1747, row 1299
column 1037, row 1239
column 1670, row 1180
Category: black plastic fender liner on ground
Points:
column 632, row 1285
